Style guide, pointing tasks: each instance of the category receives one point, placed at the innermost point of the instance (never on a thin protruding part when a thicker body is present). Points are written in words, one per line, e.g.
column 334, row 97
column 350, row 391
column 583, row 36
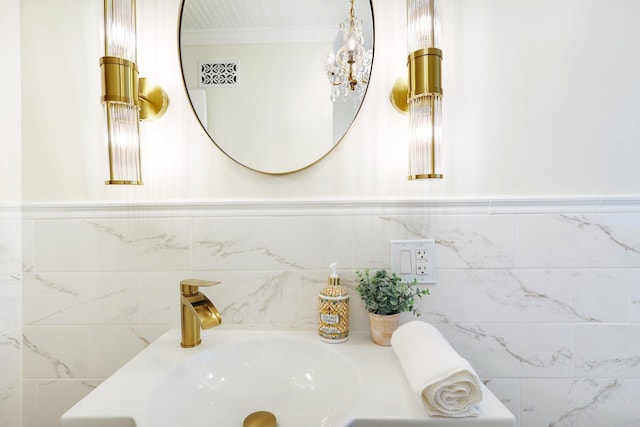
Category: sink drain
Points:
column 260, row 419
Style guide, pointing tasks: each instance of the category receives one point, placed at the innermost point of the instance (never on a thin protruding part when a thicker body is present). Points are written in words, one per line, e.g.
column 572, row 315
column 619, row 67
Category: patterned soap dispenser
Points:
column 333, row 321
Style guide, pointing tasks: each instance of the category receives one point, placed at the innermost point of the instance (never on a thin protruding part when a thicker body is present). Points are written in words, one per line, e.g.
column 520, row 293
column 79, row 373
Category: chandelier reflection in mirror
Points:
column 349, row 68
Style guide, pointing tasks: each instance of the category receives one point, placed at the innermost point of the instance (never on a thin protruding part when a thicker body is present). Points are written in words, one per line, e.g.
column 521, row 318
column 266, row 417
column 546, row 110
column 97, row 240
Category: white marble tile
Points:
column 440, row 309
column 255, row 298
column 11, row 406
column 160, row 295
column 112, row 245
column 462, row 241
column 10, row 301
column 10, row 357
column 514, row 350
column 580, row 402
column 545, row 295
column 450, row 283
column 508, row 392
column 111, row 347
column 272, row 243
column 29, row 403
column 608, row 351
column 578, row 240
column 444, row 304
column 28, row 245
column 517, row 326
column 54, row 352
column 81, row 298
column 10, row 246
column 634, row 296
column 55, row 397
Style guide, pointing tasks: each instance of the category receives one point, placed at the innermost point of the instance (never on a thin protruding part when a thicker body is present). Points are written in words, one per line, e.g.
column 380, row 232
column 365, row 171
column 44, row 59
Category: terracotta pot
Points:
column 382, row 327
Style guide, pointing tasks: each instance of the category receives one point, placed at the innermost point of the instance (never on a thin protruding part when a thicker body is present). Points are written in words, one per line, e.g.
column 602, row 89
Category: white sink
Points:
column 239, row 377
column 300, row 379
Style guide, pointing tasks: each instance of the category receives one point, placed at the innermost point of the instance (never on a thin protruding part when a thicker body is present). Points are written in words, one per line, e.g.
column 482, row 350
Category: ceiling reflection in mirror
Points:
column 258, row 77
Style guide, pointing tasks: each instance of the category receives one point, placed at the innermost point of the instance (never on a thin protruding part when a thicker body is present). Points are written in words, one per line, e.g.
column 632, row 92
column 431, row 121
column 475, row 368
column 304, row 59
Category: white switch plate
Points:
column 421, row 263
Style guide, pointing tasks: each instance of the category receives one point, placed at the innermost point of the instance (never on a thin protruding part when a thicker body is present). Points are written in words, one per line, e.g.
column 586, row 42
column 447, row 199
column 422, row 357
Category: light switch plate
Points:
column 419, row 263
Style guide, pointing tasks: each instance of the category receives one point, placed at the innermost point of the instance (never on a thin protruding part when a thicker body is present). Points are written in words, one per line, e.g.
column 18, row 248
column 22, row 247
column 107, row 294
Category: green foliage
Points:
column 387, row 294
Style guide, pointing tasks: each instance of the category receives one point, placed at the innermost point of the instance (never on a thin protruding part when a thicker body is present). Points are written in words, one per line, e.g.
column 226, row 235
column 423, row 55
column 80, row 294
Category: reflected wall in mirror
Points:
column 255, row 73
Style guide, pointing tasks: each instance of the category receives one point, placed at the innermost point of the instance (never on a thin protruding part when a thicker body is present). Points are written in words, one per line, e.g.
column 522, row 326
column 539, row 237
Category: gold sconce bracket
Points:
column 154, row 101
column 399, row 94
column 425, row 176
column 120, row 83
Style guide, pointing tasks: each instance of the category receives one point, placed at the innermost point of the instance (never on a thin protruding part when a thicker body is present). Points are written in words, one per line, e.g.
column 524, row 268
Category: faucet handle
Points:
column 190, row 286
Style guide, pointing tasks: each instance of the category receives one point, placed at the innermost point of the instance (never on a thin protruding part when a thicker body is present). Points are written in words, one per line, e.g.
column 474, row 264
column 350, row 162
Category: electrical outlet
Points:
column 414, row 259
column 422, row 268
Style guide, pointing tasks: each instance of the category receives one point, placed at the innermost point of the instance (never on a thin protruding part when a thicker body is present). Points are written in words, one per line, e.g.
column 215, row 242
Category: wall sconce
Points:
column 349, row 68
column 421, row 93
column 127, row 99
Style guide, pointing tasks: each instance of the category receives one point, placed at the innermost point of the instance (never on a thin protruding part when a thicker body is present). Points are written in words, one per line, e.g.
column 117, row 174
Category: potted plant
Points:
column 385, row 297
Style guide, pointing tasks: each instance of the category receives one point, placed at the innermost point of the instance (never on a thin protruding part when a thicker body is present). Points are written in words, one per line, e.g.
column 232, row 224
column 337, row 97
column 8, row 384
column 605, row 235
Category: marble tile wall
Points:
column 543, row 299
column 10, row 318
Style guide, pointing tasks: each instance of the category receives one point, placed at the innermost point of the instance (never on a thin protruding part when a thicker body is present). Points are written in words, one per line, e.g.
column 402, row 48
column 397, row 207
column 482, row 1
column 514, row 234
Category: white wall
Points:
column 10, row 108
column 540, row 99
column 10, row 223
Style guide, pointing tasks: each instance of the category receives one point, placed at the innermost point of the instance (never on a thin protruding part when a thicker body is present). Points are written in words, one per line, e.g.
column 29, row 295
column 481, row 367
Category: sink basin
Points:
column 233, row 373
column 297, row 380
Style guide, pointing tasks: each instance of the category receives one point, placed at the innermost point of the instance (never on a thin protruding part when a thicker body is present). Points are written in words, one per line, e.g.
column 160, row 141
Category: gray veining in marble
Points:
column 582, row 222
column 61, row 368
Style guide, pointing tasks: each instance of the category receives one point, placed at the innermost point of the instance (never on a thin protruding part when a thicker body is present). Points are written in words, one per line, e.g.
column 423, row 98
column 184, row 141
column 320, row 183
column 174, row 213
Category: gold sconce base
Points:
column 120, row 182
column 154, row 101
column 426, row 176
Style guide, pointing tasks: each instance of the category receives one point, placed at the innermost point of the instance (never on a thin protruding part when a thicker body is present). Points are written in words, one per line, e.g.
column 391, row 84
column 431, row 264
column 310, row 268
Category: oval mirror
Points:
column 257, row 75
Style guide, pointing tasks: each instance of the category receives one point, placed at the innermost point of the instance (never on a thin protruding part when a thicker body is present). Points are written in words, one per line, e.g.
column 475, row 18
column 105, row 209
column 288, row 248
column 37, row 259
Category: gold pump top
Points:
column 334, row 289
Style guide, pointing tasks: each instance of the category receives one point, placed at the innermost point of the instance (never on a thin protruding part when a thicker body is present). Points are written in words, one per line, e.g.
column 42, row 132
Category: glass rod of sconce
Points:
column 420, row 93
column 348, row 69
column 126, row 98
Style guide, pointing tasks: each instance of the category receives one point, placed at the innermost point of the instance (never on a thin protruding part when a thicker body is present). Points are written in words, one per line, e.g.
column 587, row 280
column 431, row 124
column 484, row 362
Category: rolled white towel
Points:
column 445, row 382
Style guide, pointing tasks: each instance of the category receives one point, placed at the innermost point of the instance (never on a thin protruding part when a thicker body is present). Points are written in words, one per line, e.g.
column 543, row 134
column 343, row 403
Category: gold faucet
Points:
column 196, row 311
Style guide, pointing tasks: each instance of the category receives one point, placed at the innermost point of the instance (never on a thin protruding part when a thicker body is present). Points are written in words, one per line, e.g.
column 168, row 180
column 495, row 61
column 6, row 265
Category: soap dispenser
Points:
column 333, row 321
